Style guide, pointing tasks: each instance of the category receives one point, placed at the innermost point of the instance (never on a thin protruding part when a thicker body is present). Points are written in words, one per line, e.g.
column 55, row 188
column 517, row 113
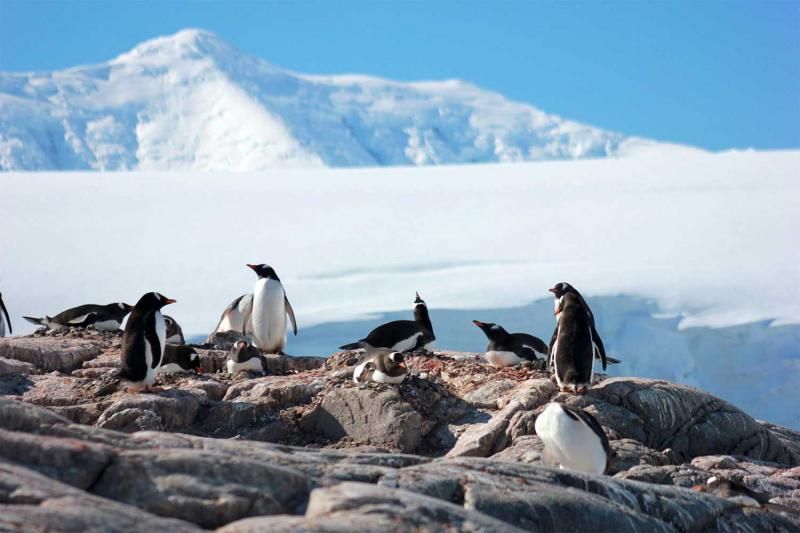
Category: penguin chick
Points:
column 103, row 317
column 739, row 493
column 573, row 438
column 179, row 358
column 400, row 335
column 380, row 365
column 245, row 357
column 572, row 352
column 508, row 349
column 143, row 341
column 174, row 331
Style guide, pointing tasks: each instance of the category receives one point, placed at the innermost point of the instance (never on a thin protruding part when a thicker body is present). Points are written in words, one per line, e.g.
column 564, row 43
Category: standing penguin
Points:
column 143, row 341
column 174, row 331
column 559, row 290
column 573, row 351
column 7, row 320
column 270, row 307
column 380, row 365
column 401, row 335
column 103, row 317
column 508, row 349
column 573, row 438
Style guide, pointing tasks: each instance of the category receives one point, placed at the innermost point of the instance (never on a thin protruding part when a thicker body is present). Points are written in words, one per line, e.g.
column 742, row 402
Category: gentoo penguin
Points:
column 174, row 331
column 143, row 341
column 244, row 357
column 559, row 290
column 103, row 317
column 573, row 351
column 508, row 349
column 270, row 307
column 233, row 317
column 179, row 358
column 401, row 335
column 739, row 493
column 573, row 438
column 4, row 321
column 380, row 365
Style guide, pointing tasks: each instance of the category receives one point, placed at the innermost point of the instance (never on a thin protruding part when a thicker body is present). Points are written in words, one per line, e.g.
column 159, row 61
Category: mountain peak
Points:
column 190, row 43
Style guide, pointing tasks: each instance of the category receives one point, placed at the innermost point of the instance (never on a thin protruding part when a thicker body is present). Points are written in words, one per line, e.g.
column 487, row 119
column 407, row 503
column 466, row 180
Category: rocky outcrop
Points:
column 453, row 447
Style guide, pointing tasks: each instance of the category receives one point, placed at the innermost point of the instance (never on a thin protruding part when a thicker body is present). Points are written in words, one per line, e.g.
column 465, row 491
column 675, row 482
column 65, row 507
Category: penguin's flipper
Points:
column 5, row 312
column 37, row 321
column 247, row 318
column 550, row 347
column 612, row 361
column 598, row 342
column 352, row 346
column 82, row 321
column 151, row 337
column 290, row 312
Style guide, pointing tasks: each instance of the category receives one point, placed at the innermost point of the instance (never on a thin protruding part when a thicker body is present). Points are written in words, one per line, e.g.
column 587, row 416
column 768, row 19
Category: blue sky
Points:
column 708, row 73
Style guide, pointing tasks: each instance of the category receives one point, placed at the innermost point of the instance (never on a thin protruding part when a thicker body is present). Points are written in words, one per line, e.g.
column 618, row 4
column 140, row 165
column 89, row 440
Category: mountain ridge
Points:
column 192, row 101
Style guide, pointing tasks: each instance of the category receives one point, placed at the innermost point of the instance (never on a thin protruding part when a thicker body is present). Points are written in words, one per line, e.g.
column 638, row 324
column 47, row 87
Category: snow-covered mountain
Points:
column 193, row 101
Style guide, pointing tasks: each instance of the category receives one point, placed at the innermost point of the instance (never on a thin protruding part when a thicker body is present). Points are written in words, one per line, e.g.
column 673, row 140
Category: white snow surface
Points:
column 191, row 101
column 690, row 262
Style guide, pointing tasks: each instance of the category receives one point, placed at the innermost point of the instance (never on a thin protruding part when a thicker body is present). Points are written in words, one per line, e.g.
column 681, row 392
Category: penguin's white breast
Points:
column 269, row 309
column 500, row 359
column 161, row 333
column 106, row 325
column 571, row 442
column 380, row 377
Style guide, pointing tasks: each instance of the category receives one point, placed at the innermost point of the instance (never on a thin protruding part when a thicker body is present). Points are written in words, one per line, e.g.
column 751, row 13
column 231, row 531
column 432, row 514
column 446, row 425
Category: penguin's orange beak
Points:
column 170, row 301
column 478, row 323
column 553, row 290
column 252, row 266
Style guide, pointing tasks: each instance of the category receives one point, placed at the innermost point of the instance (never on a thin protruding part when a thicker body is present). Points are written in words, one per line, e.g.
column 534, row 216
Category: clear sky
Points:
column 715, row 74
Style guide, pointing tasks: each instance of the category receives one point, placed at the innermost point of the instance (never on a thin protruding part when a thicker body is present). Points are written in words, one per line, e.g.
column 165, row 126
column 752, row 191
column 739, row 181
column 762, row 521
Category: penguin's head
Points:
column 560, row 289
column 125, row 307
column 569, row 299
column 153, row 300
column 492, row 331
column 194, row 361
column 418, row 300
column 397, row 358
column 264, row 271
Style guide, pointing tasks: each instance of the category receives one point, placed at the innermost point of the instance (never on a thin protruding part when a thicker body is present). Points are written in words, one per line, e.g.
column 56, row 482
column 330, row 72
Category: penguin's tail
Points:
column 37, row 321
column 351, row 346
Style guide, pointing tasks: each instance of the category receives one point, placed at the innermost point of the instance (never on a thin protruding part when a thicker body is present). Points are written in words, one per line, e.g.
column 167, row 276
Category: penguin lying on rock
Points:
column 245, row 357
column 102, row 317
column 573, row 438
column 401, row 335
column 508, row 349
column 174, row 331
column 179, row 358
column 380, row 365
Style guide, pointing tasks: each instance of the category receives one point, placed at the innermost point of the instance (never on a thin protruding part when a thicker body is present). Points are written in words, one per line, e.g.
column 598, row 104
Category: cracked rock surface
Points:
column 305, row 449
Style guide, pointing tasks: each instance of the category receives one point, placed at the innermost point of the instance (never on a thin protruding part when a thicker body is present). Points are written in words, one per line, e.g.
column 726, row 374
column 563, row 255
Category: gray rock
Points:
column 479, row 439
column 12, row 366
column 376, row 415
column 487, row 396
column 402, row 509
column 207, row 488
column 50, row 353
column 32, row 502
column 172, row 410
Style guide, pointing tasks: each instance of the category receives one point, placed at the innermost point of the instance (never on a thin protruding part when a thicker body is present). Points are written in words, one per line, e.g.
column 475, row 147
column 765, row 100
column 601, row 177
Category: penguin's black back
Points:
column 389, row 334
column 575, row 352
column 100, row 312
column 181, row 355
column 591, row 421
column 141, row 325
column 527, row 346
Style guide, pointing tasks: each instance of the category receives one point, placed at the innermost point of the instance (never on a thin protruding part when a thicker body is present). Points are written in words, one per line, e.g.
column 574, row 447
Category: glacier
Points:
column 191, row 101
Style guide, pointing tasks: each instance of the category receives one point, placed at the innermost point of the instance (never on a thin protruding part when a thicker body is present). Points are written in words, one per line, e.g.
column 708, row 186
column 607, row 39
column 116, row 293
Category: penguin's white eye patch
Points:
column 495, row 327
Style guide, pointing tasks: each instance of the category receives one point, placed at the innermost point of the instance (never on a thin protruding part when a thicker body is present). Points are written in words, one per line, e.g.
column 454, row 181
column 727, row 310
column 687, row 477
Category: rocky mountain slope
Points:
column 305, row 449
column 192, row 101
